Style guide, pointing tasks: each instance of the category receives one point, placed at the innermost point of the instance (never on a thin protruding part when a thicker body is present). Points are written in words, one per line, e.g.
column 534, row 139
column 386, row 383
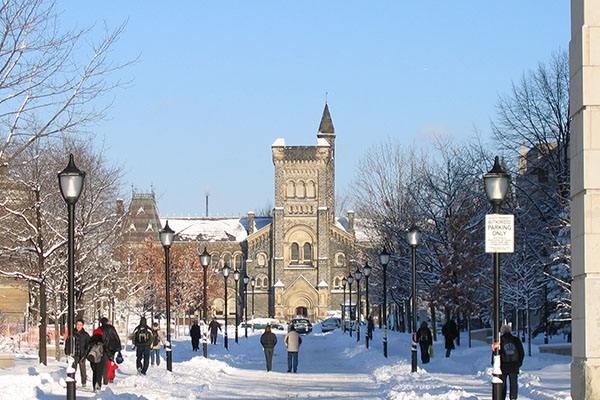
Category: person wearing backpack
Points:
column 425, row 341
column 157, row 339
column 142, row 340
column 511, row 359
column 95, row 355
column 112, row 345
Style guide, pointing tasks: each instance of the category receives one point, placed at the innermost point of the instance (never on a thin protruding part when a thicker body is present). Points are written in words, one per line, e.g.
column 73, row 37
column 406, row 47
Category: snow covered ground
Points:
column 331, row 366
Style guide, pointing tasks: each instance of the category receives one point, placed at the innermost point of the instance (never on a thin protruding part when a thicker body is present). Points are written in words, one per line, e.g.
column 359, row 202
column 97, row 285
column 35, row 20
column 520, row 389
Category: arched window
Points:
column 307, row 253
column 265, row 283
column 226, row 260
column 295, row 250
column 339, row 261
column 238, row 262
column 214, row 257
column 310, row 189
column 300, row 190
column 261, row 260
column 337, row 282
column 291, row 189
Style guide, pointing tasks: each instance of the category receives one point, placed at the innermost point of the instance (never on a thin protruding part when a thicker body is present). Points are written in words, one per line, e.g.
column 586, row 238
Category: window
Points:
column 261, row 260
column 339, row 260
column 291, row 189
column 300, row 190
column 226, row 260
column 215, row 261
column 265, row 282
column 307, row 253
column 295, row 256
column 310, row 189
column 238, row 262
column 337, row 282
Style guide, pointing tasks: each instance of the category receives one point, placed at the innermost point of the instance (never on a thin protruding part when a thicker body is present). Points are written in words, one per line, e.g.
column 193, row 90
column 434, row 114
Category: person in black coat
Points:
column 268, row 341
column 112, row 344
column 82, row 339
column 195, row 335
column 450, row 332
column 425, row 340
column 213, row 327
column 511, row 359
column 97, row 368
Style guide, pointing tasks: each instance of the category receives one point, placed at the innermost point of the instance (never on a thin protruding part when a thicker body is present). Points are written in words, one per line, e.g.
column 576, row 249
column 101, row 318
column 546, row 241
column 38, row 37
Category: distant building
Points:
column 298, row 256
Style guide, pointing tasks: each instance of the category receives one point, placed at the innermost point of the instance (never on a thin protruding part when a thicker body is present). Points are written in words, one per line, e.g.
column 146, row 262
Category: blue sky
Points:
column 217, row 82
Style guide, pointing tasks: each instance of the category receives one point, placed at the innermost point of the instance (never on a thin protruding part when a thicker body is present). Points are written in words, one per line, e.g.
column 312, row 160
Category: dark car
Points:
column 302, row 325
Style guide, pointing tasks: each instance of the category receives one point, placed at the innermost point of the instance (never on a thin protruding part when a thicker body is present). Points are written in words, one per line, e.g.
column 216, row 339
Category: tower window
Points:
column 307, row 253
column 310, row 189
column 291, row 189
column 261, row 260
column 295, row 250
column 300, row 190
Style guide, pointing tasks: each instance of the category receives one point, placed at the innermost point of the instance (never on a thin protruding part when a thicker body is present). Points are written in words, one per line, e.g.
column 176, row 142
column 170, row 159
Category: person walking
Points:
column 142, row 340
column 450, row 332
column 195, row 335
column 96, row 357
column 511, row 359
column 213, row 327
column 292, row 342
column 425, row 341
column 268, row 341
column 82, row 340
column 112, row 344
column 157, row 339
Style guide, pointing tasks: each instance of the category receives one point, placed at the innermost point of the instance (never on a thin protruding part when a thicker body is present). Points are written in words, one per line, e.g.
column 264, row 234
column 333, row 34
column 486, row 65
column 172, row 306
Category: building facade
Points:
column 297, row 257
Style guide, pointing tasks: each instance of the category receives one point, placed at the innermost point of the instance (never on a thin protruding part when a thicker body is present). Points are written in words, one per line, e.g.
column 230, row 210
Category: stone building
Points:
column 298, row 256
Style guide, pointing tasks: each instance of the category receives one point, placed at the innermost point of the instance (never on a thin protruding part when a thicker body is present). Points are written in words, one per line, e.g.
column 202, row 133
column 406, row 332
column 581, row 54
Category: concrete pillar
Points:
column 585, row 197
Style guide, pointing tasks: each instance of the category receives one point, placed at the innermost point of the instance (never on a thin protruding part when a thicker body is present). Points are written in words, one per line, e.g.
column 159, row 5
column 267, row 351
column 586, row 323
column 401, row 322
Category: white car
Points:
column 330, row 324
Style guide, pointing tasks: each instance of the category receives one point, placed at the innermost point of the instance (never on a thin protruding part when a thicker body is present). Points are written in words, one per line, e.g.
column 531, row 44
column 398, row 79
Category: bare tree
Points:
column 50, row 79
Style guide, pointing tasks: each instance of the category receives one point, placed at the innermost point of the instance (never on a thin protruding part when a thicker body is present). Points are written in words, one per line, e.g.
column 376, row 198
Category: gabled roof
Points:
column 326, row 125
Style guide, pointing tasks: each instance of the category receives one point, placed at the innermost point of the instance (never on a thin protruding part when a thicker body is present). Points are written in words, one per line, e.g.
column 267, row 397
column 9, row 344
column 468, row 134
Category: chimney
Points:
column 120, row 209
column 351, row 222
column 250, row 222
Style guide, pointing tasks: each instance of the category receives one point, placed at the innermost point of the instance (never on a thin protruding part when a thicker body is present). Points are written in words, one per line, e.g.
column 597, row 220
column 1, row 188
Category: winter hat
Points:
column 98, row 331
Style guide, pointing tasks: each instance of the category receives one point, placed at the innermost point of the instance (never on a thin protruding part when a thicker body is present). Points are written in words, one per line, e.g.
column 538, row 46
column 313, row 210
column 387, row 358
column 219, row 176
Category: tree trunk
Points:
column 458, row 325
column 56, row 331
column 433, row 322
column 469, row 328
column 528, row 328
column 43, row 354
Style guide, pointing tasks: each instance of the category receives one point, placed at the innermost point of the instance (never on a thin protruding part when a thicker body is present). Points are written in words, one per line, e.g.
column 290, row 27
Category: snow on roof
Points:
column 322, row 142
column 323, row 284
column 279, row 284
column 211, row 230
column 279, row 142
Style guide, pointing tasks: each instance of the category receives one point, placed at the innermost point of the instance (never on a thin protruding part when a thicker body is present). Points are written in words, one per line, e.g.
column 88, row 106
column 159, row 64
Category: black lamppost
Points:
column 252, row 283
column 413, row 236
column 205, row 262
column 246, row 279
column 367, row 272
column 384, row 258
column 236, row 278
column 70, row 182
column 358, row 275
column 226, row 271
column 344, row 283
column 350, row 279
column 166, row 238
column 496, row 186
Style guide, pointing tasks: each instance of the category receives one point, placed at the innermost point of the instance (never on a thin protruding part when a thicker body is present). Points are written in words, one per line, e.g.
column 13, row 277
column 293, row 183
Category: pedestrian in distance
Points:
column 112, row 345
column 80, row 351
column 96, row 357
column 450, row 332
column 157, row 340
column 268, row 341
column 214, row 326
column 292, row 342
column 425, row 341
column 142, row 340
column 195, row 335
column 370, row 327
column 511, row 359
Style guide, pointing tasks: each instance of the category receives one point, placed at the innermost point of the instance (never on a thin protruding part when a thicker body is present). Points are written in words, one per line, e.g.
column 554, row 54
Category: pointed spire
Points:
column 326, row 125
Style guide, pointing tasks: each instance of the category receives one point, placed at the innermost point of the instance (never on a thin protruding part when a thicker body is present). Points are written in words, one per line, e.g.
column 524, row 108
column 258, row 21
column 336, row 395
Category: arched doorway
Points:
column 302, row 312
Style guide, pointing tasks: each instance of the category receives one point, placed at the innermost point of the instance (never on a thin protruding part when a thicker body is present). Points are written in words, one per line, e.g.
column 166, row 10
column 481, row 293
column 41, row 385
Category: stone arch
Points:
column 301, row 298
column 300, row 234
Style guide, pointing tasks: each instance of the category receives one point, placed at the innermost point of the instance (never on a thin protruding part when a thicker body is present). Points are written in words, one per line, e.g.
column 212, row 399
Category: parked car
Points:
column 302, row 325
column 330, row 324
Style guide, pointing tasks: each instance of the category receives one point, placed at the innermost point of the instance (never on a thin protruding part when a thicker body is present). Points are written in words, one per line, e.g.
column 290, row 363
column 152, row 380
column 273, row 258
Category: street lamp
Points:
column 350, row 279
column 413, row 237
column 384, row 259
column 358, row 275
column 252, row 283
column 166, row 238
column 367, row 272
column 236, row 278
column 226, row 271
column 205, row 262
column 245, row 279
column 344, row 283
column 70, row 182
column 496, row 186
